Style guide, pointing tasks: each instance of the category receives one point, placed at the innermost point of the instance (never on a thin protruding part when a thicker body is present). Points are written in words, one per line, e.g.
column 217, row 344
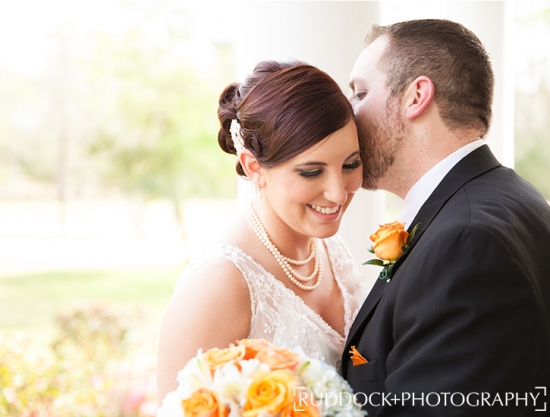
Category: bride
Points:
column 281, row 273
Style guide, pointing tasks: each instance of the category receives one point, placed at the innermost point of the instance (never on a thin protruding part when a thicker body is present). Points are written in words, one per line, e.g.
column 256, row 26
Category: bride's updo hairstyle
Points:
column 283, row 108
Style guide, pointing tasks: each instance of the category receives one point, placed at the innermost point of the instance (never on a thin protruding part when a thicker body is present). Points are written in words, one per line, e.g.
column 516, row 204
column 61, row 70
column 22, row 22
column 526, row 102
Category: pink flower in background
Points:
column 134, row 399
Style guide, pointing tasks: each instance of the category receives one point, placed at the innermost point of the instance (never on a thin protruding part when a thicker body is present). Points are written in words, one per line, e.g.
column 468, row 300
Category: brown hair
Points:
column 454, row 59
column 283, row 108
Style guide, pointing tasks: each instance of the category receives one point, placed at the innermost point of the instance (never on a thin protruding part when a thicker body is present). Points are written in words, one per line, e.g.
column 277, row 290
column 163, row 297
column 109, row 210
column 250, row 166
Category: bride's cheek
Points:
column 355, row 180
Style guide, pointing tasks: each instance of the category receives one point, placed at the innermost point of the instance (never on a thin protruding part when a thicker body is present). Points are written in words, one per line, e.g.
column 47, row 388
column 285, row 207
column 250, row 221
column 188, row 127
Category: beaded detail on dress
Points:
column 280, row 316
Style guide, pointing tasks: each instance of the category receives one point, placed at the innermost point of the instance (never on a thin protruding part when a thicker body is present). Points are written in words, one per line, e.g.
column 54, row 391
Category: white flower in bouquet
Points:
column 194, row 375
column 231, row 384
column 335, row 394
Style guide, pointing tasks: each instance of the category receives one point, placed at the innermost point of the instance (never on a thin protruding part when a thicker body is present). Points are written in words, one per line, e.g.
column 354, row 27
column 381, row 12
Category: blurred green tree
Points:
column 159, row 138
column 129, row 109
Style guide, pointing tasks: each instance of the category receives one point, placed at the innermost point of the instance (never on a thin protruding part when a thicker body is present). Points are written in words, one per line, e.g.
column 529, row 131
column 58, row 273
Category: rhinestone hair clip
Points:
column 235, row 131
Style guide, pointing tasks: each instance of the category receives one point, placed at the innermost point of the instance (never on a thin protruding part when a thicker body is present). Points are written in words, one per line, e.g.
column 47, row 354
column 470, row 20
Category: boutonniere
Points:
column 391, row 240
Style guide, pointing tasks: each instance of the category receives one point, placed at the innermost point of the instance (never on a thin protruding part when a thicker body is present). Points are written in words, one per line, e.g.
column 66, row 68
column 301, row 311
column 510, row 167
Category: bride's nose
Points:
column 335, row 190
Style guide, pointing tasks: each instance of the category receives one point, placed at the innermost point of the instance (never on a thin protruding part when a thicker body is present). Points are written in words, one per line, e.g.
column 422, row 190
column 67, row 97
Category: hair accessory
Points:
column 235, row 131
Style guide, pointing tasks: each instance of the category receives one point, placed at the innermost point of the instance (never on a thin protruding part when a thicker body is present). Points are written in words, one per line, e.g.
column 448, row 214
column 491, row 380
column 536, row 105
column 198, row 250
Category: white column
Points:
column 330, row 36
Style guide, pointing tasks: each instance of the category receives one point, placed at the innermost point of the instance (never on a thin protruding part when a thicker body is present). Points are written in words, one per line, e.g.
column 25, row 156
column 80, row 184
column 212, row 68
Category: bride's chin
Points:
column 325, row 231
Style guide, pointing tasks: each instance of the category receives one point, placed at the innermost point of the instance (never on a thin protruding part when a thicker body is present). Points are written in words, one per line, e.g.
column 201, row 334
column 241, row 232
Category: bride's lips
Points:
column 331, row 213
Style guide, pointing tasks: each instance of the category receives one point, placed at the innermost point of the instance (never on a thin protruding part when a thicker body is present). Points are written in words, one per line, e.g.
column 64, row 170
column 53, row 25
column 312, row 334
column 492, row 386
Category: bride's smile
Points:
column 325, row 210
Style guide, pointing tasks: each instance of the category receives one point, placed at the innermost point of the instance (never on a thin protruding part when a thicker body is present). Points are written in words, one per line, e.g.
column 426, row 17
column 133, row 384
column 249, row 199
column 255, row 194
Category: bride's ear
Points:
column 252, row 168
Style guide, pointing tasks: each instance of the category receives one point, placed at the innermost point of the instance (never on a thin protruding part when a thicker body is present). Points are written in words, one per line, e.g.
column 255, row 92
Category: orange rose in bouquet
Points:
column 278, row 358
column 219, row 357
column 270, row 392
column 204, row 403
column 253, row 378
column 253, row 346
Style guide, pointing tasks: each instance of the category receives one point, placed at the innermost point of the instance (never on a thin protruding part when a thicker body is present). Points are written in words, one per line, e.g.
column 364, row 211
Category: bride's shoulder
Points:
column 210, row 306
column 217, row 268
column 217, row 283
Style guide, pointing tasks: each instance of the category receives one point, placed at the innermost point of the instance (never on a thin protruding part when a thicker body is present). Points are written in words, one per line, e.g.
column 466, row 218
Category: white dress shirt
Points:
column 426, row 185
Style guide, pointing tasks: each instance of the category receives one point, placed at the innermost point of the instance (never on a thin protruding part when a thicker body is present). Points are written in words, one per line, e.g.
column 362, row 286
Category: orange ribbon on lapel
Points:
column 356, row 357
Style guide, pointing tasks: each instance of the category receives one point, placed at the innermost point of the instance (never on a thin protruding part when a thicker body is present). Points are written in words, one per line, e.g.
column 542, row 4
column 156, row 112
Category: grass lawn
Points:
column 96, row 255
column 29, row 303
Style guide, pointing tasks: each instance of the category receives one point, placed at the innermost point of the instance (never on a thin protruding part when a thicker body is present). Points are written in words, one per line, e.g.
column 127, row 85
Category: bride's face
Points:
column 309, row 193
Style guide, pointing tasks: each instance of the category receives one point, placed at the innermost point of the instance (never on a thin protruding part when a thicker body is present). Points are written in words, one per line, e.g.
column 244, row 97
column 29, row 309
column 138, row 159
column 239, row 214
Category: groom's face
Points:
column 381, row 129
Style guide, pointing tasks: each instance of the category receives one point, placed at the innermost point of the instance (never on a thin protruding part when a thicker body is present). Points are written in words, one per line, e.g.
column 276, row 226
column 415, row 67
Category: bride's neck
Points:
column 289, row 242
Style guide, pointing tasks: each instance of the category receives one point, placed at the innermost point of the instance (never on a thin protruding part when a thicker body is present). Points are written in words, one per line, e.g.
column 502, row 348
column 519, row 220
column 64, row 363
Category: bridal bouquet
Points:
column 254, row 378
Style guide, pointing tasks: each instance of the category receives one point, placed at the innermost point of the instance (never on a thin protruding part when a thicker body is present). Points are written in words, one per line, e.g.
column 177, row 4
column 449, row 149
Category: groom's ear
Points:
column 252, row 168
column 418, row 96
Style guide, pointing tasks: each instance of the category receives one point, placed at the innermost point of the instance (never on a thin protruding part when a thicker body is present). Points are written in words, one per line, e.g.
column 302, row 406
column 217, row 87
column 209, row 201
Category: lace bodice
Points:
column 280, row 316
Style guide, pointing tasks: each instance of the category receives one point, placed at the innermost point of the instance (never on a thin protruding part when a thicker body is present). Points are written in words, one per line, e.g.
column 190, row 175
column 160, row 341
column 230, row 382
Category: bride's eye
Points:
column 309, row 174
column 353, row 165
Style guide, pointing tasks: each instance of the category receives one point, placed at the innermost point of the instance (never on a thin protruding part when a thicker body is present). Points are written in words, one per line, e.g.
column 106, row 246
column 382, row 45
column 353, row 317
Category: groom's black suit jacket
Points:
column 467, row 309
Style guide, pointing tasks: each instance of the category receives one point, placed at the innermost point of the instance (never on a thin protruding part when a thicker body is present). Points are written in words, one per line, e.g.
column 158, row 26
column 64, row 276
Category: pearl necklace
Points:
column 296, row 278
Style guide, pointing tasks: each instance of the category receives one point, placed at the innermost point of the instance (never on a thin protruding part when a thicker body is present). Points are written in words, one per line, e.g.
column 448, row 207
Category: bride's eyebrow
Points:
column 324, row 164
column 312, row 163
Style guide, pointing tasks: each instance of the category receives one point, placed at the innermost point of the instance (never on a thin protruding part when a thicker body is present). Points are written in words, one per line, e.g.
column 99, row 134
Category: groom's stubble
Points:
column 381, row 137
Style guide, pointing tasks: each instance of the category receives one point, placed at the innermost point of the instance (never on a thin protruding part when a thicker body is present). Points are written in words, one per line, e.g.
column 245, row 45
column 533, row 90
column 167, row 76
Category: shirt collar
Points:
column 424, row 187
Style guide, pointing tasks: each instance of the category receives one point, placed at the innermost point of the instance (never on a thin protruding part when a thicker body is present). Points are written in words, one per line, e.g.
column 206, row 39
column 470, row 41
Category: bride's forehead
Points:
column 341, row 142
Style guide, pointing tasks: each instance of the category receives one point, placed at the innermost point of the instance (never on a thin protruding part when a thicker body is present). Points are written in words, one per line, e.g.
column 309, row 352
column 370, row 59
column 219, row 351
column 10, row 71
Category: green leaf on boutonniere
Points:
column 371, row 250
column 413, row 232
column 378, row 262
column 410, row 238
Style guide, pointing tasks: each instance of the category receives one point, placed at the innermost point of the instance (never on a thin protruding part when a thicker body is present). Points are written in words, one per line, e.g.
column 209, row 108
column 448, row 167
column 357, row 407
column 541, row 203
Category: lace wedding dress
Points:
column 280, row 316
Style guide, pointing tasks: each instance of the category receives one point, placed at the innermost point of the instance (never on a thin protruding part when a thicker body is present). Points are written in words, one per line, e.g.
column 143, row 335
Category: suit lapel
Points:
column 372, row 299
column 471, row 166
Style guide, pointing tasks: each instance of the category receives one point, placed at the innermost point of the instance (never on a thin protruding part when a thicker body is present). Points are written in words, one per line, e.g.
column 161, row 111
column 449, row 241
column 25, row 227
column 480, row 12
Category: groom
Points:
column 462, row 327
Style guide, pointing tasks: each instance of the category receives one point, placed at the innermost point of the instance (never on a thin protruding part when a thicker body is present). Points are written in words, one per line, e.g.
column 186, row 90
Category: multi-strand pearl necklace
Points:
column 296, row 278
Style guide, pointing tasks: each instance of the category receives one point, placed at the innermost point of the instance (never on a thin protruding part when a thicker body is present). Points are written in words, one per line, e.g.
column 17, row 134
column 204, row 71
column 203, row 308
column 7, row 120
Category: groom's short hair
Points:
column 454, row 59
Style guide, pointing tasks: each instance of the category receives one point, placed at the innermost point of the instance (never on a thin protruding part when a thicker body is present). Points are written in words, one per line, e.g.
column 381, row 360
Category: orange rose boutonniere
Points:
column 391, row 240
